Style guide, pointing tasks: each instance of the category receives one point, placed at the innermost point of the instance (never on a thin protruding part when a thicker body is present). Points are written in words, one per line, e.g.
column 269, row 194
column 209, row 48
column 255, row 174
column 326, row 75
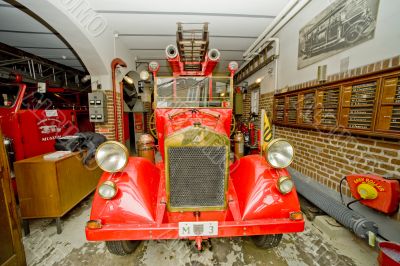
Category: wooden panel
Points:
column 367, row 105
column 384, row 118
column 346, row 95
column 390, row 90
column 75, row 181
column 299, row 118
column 280, row 109
column 51, row 188
column 362, row 105
column 308, row 107
column 7, row 247
column 344, row 117
column 330, row 107
column 395, row 119
column 286, row 109
column 37, row 188
column 292, row 109
column 11, row 248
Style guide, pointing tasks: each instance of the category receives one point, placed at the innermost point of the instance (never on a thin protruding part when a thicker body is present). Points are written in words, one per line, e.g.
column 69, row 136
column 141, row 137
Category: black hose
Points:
column 351, row 202
column 340, row 189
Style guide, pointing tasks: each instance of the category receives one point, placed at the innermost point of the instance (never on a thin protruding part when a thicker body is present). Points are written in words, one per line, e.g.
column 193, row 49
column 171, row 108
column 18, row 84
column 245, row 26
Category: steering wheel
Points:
column 152, row 125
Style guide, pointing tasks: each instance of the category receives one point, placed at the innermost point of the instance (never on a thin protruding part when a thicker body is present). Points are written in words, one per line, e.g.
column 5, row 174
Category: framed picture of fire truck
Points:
column 344, row 24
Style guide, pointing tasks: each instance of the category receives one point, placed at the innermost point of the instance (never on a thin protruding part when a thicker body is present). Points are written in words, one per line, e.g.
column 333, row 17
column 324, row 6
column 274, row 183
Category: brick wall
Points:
column 266, row 102
column 108, row 128
column 327, row 157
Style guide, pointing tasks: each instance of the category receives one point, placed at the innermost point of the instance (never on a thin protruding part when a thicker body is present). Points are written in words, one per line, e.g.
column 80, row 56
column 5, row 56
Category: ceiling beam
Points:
column 29, row 32
column 174, row 35
column 169, row 13
column 163, row 49
column 46, row 48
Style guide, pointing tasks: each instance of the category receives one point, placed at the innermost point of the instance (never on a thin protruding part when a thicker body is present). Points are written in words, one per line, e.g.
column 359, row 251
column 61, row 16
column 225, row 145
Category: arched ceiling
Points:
column 146, row 27
column 19, row 28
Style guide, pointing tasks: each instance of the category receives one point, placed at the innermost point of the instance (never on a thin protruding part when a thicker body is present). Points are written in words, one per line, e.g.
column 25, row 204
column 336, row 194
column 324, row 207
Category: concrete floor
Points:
column 311, row 247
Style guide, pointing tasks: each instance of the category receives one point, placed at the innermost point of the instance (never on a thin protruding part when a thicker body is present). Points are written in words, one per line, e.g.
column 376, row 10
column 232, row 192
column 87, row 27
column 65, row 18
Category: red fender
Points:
column 255, row 183
column 136, row 198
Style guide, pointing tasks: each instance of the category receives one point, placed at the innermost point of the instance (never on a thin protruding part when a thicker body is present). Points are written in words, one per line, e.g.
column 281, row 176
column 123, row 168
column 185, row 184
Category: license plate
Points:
column 198, row 229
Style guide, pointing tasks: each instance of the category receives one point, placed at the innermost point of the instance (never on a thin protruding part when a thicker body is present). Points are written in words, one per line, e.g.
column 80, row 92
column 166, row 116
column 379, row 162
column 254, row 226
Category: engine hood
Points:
column 196, row 135
column 179, row 124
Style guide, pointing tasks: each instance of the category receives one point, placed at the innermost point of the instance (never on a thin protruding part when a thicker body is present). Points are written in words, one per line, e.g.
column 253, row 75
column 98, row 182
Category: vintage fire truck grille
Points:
column 197, row 176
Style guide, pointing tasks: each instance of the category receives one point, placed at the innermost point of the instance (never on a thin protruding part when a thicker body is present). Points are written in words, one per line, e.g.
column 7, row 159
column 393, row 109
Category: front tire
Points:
column 267, row 241
column 122, row 248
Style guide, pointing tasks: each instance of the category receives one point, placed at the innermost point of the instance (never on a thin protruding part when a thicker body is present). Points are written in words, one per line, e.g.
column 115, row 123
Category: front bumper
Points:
column 170, row 230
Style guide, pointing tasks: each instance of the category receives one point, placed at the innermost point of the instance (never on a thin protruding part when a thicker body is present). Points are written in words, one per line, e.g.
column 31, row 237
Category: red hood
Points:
column 169, row 121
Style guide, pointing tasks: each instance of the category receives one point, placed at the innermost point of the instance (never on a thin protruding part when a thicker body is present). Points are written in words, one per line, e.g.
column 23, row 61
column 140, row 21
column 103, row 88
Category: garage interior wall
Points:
column 322, row 156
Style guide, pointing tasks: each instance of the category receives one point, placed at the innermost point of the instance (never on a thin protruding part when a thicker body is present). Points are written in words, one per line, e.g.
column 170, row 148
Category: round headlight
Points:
column 107, row 190
column 112, row 156
column 285, row 184
column 280, row 153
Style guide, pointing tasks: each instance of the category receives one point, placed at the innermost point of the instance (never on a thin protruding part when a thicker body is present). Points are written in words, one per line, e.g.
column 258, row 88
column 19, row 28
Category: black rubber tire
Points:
column 122, row 248
column 267, row 241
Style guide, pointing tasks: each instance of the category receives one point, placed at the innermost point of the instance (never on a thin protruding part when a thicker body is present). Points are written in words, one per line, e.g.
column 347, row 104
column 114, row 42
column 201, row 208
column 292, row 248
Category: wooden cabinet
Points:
column 11, row 248
column 292, row 107
column 279, row 109
column 388, row 118
column 307, row 109
column 368, row 105
column 328, row 107
column 50, row 188
column 358, row 104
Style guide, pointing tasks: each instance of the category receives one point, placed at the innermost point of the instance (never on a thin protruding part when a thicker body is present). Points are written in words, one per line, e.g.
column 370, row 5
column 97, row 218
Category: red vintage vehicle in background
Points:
column 31, row 121
column 195, row 192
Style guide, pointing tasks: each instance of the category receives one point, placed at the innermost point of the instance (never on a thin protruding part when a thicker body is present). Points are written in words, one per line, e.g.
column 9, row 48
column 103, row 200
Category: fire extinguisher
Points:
column 252, row 130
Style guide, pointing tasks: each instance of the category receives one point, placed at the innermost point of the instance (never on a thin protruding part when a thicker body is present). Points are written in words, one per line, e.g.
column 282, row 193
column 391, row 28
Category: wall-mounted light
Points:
column 233, row 66
column 258, row 80
column 144, row 75
column 85, row 78
column 154, row 66
column 128, row 79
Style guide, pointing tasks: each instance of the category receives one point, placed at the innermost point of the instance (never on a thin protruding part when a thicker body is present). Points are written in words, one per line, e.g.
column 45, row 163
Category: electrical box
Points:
column 97, row 107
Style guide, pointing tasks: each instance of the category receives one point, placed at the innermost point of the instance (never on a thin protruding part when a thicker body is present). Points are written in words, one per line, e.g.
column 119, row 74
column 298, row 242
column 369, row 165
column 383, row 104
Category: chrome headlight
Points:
column 279, row 153
column 107, row 190
column 285, row 184
column 112, row 156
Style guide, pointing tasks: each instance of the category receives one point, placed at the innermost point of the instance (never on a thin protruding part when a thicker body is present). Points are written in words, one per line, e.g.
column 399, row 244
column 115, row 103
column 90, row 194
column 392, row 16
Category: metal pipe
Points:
column 281, row 20
column 33, row 69
column 357, row 223
column 29, row 67
column 270, row 27
column 115, row 62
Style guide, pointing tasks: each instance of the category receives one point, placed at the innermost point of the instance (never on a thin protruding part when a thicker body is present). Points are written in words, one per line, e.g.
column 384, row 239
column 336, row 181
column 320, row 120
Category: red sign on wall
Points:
column 139, row 124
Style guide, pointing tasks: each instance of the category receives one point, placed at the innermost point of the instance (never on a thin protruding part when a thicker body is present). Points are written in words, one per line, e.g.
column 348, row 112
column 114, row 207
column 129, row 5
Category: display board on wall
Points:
column 366, row 105
column 344, row 24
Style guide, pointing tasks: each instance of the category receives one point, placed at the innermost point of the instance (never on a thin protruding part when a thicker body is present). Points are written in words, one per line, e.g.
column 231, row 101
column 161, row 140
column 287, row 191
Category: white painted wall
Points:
column 385, row 44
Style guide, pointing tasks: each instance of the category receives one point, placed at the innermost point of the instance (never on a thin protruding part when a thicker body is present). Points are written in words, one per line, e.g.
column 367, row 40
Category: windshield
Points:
column 8, row 95
column 193, row 92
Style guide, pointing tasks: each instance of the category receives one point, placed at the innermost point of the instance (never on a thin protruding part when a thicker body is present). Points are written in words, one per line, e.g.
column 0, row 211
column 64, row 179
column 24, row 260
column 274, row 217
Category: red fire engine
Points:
column 195, row 192
column 31, row 121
